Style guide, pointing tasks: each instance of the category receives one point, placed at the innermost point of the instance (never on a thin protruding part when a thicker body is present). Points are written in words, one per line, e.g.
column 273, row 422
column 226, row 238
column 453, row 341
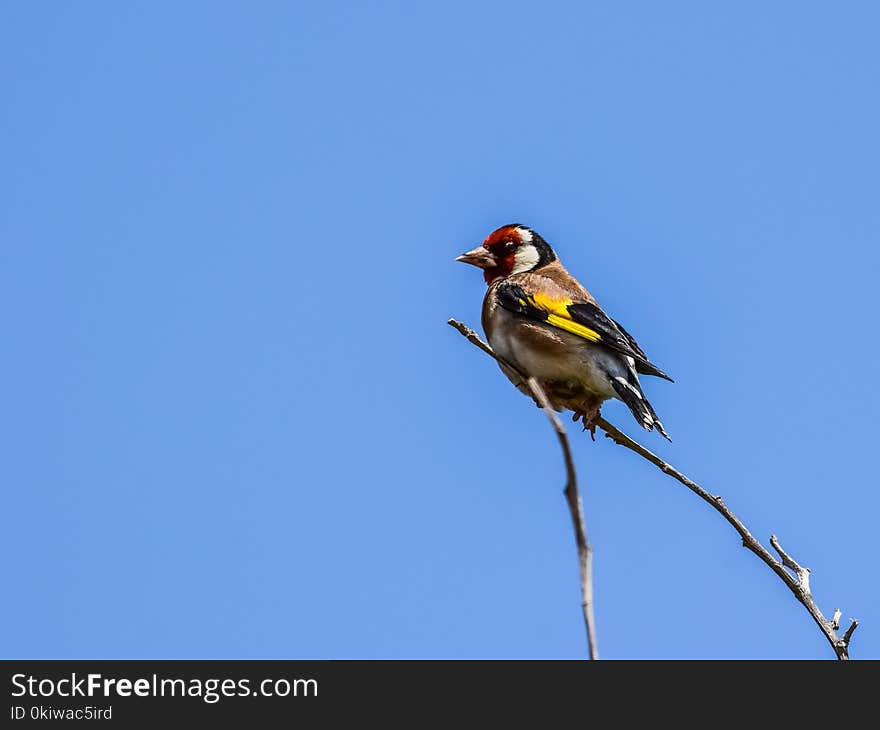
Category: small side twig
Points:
column 848, row 635
column 798, row 582
column 803, row 574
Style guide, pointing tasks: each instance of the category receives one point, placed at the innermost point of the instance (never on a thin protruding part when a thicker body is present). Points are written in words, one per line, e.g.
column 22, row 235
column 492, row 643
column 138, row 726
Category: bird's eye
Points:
column 509, row 246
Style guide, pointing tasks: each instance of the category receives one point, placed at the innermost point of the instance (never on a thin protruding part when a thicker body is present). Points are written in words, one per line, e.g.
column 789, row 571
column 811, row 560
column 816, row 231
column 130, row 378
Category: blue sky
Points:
column 235, row 422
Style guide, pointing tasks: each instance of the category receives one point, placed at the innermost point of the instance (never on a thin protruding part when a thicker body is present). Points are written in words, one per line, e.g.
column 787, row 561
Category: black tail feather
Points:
column 643, row 412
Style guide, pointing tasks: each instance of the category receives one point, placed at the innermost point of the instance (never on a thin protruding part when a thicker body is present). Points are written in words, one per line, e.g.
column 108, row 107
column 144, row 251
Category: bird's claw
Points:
column 588, row 420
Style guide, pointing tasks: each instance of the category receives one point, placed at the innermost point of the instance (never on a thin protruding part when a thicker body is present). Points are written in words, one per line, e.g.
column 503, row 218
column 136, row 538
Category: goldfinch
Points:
column 540, row 319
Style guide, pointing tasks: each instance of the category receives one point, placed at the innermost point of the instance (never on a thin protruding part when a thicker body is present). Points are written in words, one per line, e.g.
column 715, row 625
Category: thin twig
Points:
column 572, row 495
column 798, row 584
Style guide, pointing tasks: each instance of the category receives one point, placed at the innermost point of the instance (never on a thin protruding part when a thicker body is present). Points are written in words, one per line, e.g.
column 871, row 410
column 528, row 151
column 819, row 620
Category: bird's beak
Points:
column 479, row 257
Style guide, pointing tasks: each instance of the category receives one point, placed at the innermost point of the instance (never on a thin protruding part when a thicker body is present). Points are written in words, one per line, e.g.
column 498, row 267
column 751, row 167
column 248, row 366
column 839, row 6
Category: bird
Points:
column 539, row 319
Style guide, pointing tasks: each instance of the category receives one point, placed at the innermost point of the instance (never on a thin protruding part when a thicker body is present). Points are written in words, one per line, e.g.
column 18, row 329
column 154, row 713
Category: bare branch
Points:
column 474, row 339
column 799, row 586
column 572, row 495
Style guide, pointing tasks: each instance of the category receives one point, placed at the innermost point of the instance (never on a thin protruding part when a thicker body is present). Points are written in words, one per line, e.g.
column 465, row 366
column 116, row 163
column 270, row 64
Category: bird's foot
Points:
column 588, row 414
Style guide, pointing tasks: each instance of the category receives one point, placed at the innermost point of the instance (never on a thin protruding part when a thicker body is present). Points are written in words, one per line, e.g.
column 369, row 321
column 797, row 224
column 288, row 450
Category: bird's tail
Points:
column 631, row 394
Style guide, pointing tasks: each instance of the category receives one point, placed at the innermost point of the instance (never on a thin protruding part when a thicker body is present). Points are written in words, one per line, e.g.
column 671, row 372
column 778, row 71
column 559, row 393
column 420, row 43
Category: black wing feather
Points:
column 651, row 369
column 615, row 337
column 515, row 299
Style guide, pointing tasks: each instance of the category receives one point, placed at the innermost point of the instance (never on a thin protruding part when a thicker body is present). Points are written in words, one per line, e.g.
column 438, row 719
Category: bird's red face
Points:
column 511, row 249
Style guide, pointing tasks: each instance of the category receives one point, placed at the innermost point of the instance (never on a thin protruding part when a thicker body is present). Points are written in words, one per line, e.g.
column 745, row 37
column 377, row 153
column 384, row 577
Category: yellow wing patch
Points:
column 558, row 316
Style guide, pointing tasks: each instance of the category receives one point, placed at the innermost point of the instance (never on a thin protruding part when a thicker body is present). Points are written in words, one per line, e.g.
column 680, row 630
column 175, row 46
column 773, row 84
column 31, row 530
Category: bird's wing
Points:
column 647, row 369
column 584, row 319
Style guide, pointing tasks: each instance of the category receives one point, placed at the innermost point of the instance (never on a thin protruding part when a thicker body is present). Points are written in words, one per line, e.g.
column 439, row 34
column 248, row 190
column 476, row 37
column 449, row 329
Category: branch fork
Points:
column 794, row 575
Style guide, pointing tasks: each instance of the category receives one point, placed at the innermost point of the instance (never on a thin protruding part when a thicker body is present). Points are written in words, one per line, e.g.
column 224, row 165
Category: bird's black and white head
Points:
column 511, row 249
